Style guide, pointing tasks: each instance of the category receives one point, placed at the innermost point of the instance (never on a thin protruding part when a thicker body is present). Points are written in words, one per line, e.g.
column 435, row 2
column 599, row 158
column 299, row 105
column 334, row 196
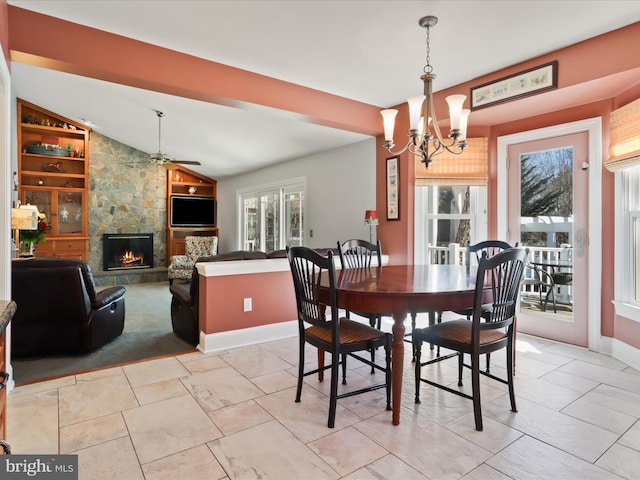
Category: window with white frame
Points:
column 447, row 219
column 624, row 161
column 628, row 235
column 272, row 216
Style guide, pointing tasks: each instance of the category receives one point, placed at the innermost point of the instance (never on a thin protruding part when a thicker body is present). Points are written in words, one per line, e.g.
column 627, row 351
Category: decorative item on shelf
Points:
column 54, row 167
column 425, row 138
column 371, row 219
column 64, row 215
column 46, row 149
column 192, row 190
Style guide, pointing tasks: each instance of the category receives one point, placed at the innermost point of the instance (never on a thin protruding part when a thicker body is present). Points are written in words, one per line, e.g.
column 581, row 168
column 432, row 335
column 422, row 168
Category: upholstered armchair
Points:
column 181, row 266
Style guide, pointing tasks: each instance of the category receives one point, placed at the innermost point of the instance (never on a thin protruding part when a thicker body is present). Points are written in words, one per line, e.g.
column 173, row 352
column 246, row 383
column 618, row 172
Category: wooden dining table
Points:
column 398, row 290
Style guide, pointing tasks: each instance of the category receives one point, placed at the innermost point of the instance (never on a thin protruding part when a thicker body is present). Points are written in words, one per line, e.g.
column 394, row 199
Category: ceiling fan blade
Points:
column 186, row 162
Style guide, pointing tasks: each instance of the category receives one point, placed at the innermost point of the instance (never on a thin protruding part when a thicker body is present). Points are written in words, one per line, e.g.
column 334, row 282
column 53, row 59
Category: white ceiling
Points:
column 332, row 46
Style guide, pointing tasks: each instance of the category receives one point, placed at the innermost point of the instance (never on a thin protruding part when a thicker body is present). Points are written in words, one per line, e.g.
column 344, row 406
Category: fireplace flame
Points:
column 130, row 259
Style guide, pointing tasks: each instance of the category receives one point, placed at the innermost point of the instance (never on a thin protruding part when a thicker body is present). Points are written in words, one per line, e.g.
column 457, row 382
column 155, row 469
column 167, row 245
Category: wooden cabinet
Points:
column 3, row 391
column 53, row 171
column 185, row 183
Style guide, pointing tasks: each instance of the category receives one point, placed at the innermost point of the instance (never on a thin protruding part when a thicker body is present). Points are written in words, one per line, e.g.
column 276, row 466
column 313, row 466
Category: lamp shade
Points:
column 24, row 218
column 371, row 217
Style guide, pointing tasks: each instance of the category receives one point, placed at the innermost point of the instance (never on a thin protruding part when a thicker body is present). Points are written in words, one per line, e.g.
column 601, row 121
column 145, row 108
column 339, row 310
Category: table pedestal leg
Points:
column 397, row 364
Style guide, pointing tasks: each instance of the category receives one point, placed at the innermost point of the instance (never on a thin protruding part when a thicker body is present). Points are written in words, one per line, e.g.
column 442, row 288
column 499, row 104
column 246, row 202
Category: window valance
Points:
column 469, row 168
column 624, row 137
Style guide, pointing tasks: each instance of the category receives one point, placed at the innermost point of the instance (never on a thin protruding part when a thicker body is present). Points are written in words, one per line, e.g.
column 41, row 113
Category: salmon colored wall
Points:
column 4, row 29
column 221, row 305
column 627, row 331
column 396, row 236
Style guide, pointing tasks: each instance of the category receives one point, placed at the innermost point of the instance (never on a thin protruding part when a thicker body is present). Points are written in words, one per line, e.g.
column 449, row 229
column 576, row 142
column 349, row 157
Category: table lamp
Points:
column 25, row 217
column 371, row 219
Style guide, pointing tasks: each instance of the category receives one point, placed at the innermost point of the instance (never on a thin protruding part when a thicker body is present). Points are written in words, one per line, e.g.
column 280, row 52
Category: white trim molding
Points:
column 593, row 126
column 215, row 342
column 626, row 353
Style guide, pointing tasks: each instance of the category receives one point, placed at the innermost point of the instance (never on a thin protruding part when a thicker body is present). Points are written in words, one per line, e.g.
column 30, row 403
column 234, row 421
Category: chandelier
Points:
column 425, row 138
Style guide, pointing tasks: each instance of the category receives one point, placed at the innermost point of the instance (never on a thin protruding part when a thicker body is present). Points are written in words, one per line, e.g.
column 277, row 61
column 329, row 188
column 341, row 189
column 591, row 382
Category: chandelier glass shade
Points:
column 425, row 137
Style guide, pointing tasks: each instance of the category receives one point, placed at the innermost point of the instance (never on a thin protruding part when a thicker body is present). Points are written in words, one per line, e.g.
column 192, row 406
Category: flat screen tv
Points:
column 193, row 211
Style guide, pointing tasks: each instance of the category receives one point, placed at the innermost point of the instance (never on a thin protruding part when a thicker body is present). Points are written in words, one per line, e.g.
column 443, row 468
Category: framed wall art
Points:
column 530, row 82
column 393, row 189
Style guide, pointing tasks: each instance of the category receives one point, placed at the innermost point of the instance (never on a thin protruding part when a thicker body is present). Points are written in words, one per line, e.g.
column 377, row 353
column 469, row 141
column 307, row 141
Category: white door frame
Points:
column 594, row 128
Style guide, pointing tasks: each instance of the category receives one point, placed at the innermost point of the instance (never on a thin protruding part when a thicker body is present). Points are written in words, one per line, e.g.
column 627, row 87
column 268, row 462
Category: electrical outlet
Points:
column 248, row 305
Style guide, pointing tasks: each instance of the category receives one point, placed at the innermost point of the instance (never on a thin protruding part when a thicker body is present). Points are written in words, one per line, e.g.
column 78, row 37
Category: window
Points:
column 272, row 216
column 448, row 218
column 627, row 288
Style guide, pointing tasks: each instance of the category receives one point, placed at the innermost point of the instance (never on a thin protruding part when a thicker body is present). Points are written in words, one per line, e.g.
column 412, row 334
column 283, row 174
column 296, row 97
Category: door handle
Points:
column 580, row 242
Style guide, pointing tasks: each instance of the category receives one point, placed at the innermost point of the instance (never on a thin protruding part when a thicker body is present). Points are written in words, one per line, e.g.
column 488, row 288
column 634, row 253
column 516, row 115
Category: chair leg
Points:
column 475, row 388
column 413, row 327
column 333, row 395
column 387, row 373
column 510, row 374
column 460, row 367
column 344, row 368
column 488, row 361
column 373, row 359
column 373, row 321
column 320, row 364
column 300, row 370
column 417, row 353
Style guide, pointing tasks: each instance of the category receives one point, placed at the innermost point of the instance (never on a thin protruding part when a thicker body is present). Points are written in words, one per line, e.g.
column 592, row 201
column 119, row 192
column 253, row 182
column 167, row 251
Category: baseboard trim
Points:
column 214, row 342
column 626, row 353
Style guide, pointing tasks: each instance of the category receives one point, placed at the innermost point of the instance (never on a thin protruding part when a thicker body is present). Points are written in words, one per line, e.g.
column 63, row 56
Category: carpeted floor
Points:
column 147, row 333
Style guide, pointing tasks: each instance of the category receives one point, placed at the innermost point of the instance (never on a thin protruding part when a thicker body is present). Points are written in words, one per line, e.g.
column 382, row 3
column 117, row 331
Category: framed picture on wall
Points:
column 530, row 82
column 393, row 189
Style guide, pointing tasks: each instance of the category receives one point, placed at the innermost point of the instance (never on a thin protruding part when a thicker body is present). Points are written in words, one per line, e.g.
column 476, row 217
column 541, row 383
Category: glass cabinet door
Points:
column 69, row 210
column 41, row 199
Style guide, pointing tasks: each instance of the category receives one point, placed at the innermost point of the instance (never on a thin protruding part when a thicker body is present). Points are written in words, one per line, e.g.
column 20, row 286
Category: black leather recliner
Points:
column 59, row 310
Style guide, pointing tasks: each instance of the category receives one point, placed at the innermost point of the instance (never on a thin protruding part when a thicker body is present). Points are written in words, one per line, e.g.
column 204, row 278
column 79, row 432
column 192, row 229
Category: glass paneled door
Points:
column 272, row 219
column 548, row 213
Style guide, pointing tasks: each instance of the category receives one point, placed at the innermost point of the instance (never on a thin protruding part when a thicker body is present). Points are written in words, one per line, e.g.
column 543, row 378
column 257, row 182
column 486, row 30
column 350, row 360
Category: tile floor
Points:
column 232, row 415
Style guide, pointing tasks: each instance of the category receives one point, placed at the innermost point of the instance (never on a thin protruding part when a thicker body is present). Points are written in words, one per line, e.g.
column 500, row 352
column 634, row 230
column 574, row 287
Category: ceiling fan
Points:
column 160, row 158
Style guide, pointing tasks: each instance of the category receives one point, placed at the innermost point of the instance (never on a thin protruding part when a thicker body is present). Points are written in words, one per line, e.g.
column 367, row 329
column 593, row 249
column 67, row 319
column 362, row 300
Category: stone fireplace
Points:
column 124, row 251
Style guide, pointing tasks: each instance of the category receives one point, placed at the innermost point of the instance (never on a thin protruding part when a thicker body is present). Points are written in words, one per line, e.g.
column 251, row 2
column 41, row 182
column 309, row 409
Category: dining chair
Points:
column 357, row 253
column 338, row 336
column 490, row 247
column 488, row 331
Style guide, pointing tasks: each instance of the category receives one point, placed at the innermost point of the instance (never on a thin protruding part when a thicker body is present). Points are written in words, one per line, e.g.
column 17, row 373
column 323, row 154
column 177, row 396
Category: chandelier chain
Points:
column 428, row 68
